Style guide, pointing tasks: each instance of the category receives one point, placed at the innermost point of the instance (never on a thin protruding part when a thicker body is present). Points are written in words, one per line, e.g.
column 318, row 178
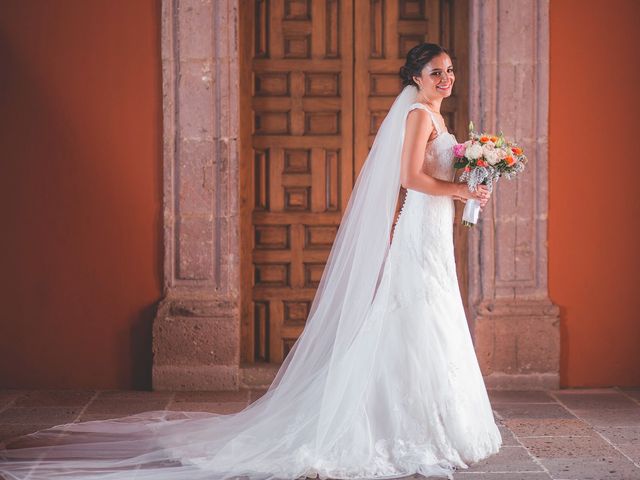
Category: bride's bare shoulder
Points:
column 418, row 121
column 417, row 115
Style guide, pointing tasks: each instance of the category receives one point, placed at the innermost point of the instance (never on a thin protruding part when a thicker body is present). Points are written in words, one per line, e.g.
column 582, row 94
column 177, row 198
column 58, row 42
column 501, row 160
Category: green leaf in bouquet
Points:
column 460, row 163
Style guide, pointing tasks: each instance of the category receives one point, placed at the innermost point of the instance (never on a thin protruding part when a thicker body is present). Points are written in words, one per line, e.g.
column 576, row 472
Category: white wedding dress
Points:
column 406, row 396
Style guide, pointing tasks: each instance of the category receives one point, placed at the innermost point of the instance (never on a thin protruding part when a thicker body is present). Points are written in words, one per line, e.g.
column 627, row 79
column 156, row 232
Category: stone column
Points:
column 516, row 326
column 196, row 333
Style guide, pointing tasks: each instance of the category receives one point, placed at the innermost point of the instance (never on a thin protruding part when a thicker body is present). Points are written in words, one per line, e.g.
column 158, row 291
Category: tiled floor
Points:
column 558, row 434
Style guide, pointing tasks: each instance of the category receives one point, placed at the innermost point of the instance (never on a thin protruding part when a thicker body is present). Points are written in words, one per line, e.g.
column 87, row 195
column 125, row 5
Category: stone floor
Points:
column 556, row 434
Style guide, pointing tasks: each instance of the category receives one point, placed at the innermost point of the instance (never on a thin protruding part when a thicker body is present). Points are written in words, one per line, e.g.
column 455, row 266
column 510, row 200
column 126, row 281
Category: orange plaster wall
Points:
column 594, row 212
column 80, row 123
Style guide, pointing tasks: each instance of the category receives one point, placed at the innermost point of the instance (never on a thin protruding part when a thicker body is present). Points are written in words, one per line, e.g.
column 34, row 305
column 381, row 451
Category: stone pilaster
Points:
column 196, row 330
column 516, row 326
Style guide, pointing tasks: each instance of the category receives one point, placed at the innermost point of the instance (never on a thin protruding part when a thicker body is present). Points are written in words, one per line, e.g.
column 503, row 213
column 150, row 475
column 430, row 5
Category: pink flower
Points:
column 459, row 149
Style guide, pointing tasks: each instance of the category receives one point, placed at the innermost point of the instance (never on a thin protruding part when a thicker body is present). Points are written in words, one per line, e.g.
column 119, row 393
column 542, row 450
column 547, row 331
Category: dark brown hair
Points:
column 417, row 58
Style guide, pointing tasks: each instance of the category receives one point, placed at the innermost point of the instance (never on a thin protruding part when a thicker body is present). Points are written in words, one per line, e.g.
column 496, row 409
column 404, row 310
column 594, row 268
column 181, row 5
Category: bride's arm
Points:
column 418, row 130
column 455, row 178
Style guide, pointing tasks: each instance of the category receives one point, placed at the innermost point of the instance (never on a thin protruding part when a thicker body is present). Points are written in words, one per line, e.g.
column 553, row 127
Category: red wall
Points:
column 594, row 214
column 80, row 123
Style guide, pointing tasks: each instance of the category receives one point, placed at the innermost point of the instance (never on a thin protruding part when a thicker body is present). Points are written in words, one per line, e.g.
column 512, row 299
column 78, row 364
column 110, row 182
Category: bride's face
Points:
column 437, row 77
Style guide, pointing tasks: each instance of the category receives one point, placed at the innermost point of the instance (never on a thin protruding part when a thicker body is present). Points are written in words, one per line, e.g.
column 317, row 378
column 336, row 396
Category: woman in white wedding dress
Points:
column 383, row 381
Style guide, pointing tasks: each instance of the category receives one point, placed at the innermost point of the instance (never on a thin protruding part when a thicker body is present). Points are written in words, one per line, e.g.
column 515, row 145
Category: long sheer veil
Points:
column 314, row 393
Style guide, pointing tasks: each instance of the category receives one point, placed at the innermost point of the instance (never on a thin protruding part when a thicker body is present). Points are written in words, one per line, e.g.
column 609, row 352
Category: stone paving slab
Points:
column 217, row 397
column 548, row 427
column 566, row 447
column 12, row 430
column 596, row 401
column 508, row 411
column 211, row 407
column 508, row 459
column 89, row 417
column 508, row 438
column 38, row 415
column 255, row 394
column 502, row 476
column 621, row 435
column 520, row 396
column 126, row 395
column 591, row 469
column 54, row 398
column 632, row 452
column 8, row 398
column 610, row 418
column 633, row 392
column 129, row 407
column 558, row 434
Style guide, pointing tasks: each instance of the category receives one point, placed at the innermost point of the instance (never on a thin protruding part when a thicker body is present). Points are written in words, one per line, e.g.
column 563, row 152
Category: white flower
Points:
column 490, row 153
column 474, row 151
column 491, row 156
column 502, row 153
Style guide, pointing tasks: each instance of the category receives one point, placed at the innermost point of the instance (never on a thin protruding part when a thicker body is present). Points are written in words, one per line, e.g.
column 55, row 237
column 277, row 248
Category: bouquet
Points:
column 485, row 158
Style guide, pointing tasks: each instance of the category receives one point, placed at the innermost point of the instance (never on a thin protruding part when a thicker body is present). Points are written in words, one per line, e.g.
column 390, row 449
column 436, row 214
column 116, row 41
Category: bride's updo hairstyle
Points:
column 417, row 58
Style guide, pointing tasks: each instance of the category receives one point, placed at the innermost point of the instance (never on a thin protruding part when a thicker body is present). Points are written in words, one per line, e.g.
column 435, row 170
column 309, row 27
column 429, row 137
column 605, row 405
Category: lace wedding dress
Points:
column 404, row 396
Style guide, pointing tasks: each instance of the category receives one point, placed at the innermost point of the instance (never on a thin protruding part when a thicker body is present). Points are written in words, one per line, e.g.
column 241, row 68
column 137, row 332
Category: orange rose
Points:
column 481, row 163
column 516, row 150
column 494, row 139
column 510, row 161
column 484, row 139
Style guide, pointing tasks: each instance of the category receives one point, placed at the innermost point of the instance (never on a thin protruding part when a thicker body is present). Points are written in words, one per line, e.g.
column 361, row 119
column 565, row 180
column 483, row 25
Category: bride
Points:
column 383, row 381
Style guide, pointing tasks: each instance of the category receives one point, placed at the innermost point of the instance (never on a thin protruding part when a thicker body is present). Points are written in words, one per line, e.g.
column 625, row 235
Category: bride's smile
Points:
column 438, row 77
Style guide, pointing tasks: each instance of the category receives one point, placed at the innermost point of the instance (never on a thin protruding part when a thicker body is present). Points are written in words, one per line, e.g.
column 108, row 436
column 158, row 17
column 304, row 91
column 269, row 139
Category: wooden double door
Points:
column 317, row 78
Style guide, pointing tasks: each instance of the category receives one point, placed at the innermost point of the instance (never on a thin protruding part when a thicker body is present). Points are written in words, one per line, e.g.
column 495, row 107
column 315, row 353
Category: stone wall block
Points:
column 532, row 341
column 233, row 205
column 230, row 277
column 195, row 377
column 224, row 180
column 196, row 177
column 538, row 345
column 505, row 346
column 227, row 281
column 514, row 17
column 196, row 341
column 167, row 28
column 195, row 95
column 506, row 210
column 525, row 227
column 484, row 344
column 195, row 28
column 195, row 248
column 226, row 175
column 524, row 96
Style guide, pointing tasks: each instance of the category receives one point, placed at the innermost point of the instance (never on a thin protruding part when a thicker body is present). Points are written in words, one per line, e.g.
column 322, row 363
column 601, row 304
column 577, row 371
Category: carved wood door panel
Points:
column 319, row 77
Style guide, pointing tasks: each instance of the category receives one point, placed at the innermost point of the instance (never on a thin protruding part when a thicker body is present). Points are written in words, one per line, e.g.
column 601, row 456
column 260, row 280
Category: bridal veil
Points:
column 309, row 399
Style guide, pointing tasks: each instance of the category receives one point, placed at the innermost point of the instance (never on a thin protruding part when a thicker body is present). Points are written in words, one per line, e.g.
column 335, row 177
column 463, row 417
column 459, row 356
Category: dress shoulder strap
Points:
column 423, row 107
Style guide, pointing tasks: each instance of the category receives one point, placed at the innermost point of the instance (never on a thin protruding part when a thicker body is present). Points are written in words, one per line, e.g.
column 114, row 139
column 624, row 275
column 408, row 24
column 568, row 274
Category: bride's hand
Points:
column 482, row 194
